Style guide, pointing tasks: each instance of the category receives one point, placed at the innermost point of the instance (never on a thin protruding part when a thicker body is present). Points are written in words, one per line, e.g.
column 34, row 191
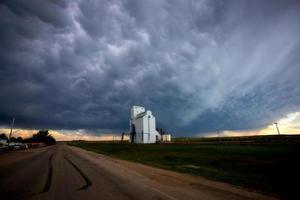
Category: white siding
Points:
column 166, row 138
column 144, row 123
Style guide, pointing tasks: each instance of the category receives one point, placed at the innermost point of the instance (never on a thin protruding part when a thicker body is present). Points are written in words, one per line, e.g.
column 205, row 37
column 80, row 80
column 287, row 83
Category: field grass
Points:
column 269, row 168
column 235, row 139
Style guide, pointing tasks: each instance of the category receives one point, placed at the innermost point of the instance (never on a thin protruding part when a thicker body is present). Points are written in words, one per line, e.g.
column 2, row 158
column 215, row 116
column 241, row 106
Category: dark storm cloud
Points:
column 198, row 65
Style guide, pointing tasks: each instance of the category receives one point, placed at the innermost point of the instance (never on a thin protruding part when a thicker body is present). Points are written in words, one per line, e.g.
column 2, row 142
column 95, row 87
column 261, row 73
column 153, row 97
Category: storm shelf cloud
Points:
column 200, row 66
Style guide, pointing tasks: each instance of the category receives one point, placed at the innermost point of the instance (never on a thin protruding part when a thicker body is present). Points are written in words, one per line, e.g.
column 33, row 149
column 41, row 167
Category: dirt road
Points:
column 64, row 172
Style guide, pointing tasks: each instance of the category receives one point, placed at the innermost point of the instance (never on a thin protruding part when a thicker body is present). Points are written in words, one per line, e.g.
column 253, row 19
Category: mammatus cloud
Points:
column 206, row 65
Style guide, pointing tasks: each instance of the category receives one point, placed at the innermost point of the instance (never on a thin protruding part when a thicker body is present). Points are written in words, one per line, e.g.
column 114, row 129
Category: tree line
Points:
column 41, row 136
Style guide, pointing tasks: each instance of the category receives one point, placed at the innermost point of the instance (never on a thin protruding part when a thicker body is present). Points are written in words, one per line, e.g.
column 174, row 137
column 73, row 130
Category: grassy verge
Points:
column 268, row 168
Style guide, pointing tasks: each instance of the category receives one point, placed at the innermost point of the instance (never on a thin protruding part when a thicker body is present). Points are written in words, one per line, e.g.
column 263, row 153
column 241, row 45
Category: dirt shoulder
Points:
column 175, row 184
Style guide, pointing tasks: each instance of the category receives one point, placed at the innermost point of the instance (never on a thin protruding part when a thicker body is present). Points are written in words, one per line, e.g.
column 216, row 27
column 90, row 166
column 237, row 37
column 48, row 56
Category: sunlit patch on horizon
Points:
column 65, row 135
column 288, row 125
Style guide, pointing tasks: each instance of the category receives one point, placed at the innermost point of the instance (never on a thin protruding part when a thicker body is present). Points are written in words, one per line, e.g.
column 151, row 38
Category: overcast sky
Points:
column 200, row 66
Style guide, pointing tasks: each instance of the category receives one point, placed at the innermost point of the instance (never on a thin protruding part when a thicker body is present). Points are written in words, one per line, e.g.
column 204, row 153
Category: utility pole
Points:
column 11, row 129
column 277, row 128
column 122, row 137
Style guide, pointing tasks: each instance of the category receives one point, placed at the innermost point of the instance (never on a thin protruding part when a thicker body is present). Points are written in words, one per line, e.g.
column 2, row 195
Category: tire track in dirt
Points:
column 88, row 182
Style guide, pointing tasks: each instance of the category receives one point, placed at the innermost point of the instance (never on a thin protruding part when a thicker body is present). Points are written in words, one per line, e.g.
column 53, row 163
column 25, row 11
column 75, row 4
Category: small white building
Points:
column 142, row 126
column 166, row 138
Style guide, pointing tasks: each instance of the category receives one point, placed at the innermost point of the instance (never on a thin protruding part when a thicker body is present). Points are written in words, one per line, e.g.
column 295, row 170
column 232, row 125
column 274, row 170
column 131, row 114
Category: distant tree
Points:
column 3, row 136
column 19, row 139
column 41, row 136
column 13, row 139
column 44, row 136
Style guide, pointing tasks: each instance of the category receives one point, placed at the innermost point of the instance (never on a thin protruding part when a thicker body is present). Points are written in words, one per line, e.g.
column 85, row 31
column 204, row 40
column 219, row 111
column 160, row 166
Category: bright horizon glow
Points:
column 287, row 125
column 63, row 135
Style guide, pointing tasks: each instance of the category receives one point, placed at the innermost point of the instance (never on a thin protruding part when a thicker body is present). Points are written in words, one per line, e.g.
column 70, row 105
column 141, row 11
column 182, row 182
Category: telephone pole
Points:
column 277, row 128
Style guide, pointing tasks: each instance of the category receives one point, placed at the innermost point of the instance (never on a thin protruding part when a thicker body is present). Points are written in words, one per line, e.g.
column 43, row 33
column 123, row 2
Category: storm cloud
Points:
column 200, row 66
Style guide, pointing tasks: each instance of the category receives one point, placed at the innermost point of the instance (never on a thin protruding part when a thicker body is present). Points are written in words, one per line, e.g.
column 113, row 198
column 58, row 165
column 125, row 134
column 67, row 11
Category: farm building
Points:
column 165, row 138
column 142, row 126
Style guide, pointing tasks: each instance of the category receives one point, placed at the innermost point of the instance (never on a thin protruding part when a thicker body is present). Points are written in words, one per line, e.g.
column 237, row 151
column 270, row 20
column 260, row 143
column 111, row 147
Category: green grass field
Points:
column 268, row 168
